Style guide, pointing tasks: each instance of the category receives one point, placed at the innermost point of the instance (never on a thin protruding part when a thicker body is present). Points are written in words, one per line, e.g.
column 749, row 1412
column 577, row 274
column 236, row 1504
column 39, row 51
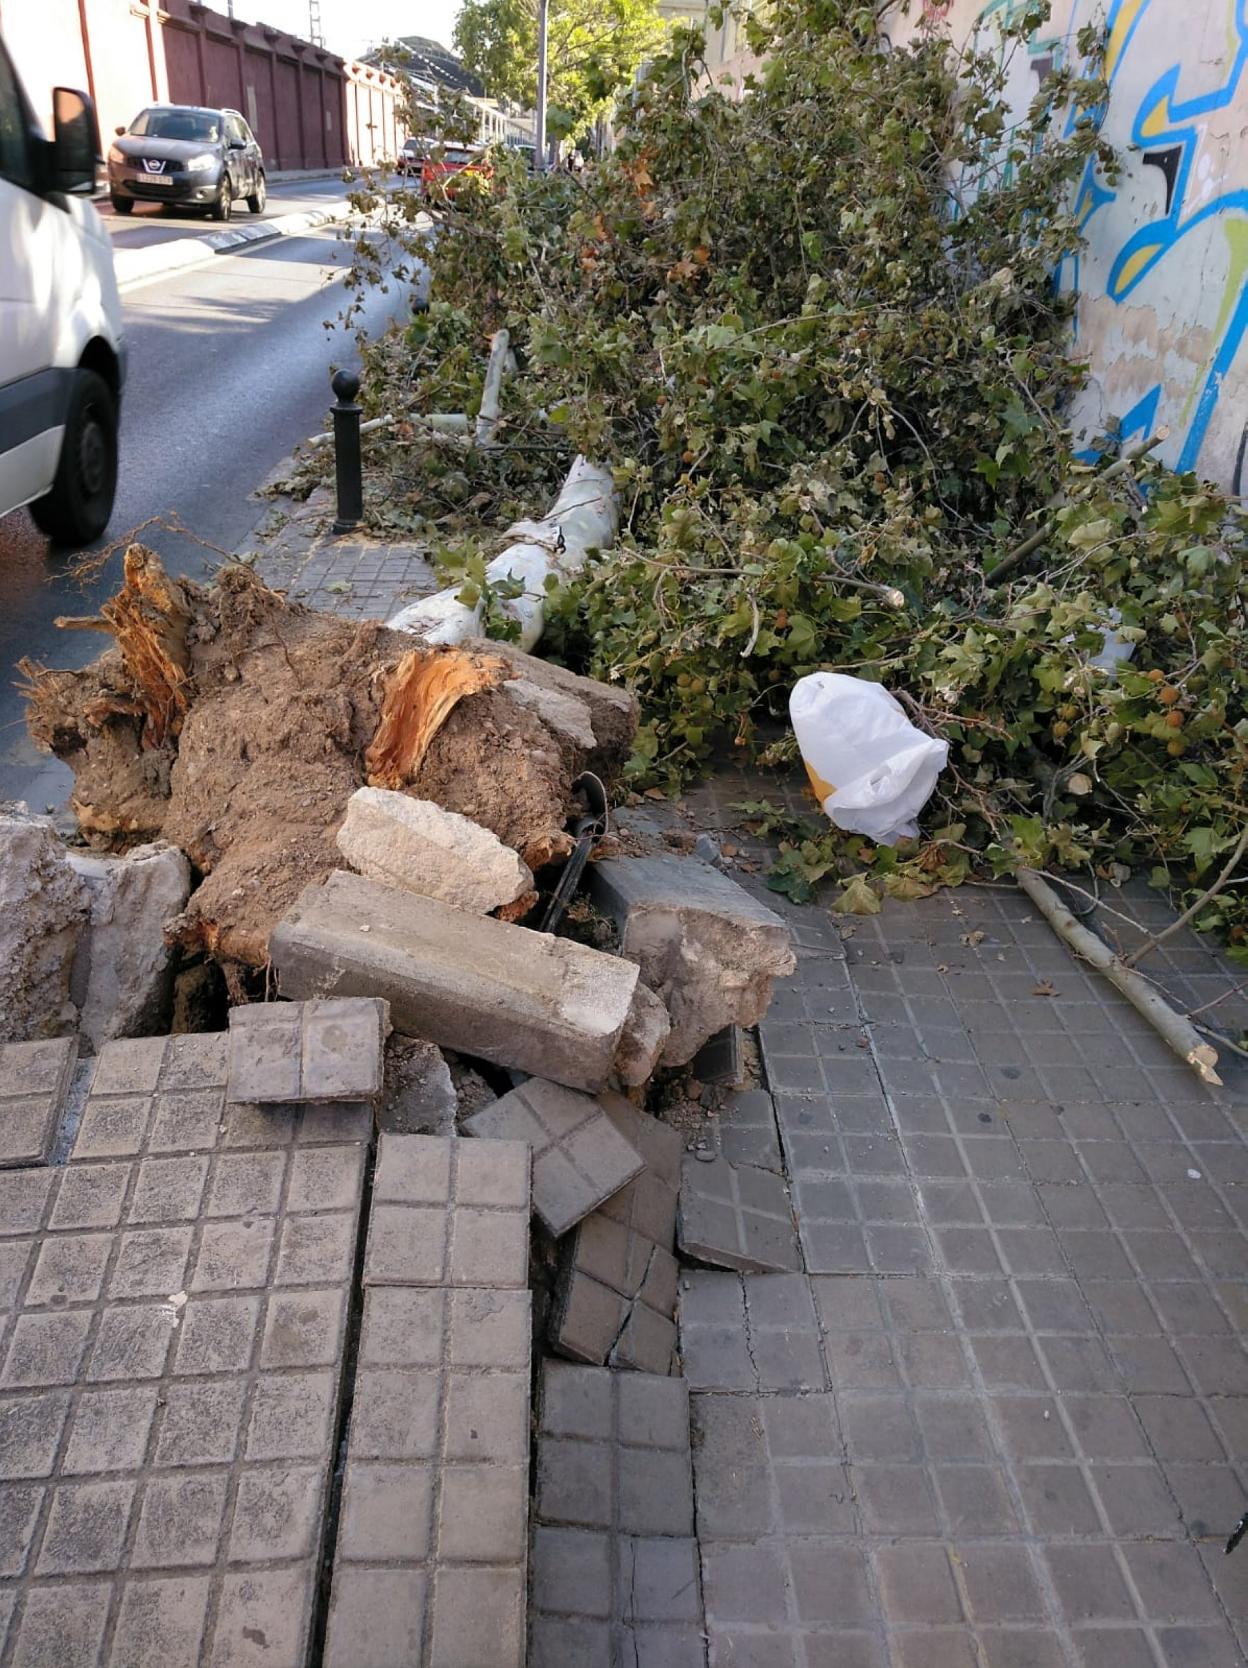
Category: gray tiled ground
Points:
column 307, row 1051
column 736, row 1216
column 1035, row 1438
column 175, row 1310
column 431, row 1553
column 615, row 1566
column 580, row 1157
column 745, row 1131
column 34, row 1080
column 449, row 1213
column 351, row 574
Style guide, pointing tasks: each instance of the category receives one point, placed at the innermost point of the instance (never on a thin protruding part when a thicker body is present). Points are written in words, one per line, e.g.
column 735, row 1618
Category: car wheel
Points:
column 122, row 205
column 81, row 500
column 223, row 206
column 258, row 197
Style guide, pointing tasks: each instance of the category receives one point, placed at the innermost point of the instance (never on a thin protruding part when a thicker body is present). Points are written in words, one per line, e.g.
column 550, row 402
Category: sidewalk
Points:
column 141, row 266
column 999, row 1419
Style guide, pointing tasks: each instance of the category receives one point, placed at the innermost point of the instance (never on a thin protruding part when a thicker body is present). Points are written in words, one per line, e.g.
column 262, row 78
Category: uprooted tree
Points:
column 236, row 725
column 816, row 333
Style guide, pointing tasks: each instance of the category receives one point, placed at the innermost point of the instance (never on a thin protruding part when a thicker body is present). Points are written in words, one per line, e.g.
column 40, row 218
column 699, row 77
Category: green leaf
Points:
column 858, row 897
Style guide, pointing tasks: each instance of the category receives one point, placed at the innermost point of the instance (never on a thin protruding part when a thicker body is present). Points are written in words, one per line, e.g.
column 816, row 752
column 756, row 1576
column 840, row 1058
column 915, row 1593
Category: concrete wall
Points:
column 308, row 108
column 1163, row 312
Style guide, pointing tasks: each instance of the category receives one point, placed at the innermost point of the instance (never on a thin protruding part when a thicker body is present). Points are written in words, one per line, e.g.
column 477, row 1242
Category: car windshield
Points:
column 201, row 126
column 453, row 155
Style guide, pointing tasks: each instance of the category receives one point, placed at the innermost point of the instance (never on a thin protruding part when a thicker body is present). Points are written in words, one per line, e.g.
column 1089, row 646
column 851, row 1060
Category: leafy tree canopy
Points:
column 595, row 47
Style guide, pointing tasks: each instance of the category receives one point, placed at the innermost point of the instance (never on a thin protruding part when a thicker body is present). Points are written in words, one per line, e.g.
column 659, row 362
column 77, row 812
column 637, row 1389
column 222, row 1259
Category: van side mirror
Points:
column 120, row 132
column 75, row 141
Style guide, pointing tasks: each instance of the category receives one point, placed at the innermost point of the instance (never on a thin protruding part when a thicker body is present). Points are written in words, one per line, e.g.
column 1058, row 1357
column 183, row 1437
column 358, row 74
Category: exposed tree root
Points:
column 237, row 724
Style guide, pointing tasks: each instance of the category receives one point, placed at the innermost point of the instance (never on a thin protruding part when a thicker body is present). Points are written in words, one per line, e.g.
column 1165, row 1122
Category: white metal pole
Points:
column 542, row 7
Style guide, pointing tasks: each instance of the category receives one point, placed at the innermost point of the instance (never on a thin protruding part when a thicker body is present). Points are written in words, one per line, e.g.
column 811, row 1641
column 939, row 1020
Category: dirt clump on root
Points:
column 279, row 711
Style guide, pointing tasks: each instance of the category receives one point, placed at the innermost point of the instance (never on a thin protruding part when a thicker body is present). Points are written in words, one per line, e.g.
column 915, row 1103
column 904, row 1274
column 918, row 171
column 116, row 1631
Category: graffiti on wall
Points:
column 1163, row 282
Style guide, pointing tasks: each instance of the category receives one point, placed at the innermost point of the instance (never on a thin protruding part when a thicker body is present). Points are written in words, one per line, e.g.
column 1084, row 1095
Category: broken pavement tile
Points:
column 579, row 1156
column 615, row 1565
column 720, row 1060
column 703, row 944
column 449, row 1213
column 432, row 1540
column 34, row 1081
column 307, row 1051
column 736, row 1216
column 746, row 1131
column 749, row 1332
column 492, row 990
column 616, row 1299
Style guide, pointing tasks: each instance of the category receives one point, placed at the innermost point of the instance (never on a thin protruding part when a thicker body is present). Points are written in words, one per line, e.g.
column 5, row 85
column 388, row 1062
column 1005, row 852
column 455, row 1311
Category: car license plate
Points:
column 154, row 179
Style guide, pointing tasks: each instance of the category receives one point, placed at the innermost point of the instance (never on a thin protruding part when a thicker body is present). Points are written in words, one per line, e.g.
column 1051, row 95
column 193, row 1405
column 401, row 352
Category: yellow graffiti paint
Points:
column 1138, row 262
column 1157, row 122
column 1118, row 37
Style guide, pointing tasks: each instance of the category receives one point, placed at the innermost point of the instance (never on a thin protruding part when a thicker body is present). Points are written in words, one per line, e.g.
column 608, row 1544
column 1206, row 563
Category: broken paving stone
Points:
column 749, row 1332
column 615, row 1568
column 122, row 980
column 721, row 1059
column 415, row 844
column 736, row 1216
column 643, row 1039
column 34, row 1081
column 702, row 943
column 449, row 1213
column 43, row 904
column 469, row 982
column 579, row 1156
column 307, row 1051
column 419, row 1097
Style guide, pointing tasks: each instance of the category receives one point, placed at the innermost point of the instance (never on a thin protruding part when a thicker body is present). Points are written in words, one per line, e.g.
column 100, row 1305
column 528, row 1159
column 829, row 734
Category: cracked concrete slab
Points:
column 736, row 1216
column 616, row 1572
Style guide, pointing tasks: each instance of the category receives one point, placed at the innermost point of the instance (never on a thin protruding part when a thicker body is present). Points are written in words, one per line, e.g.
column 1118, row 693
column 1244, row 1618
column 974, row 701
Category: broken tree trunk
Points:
column 585, row 517
column 1174, row 1028
column 237, row 724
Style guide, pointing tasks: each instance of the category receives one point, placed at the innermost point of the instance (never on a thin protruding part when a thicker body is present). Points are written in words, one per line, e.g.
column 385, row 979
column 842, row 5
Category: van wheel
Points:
column 224, row 204
column 81, row 500
column 122, row 205
column 257, row 199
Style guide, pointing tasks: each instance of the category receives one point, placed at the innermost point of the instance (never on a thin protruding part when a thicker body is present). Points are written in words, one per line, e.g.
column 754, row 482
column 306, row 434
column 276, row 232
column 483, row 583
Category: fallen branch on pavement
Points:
column 1174, row 1028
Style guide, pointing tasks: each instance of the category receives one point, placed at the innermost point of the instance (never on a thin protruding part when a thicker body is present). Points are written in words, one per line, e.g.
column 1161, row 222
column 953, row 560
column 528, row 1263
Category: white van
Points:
column 62, row 351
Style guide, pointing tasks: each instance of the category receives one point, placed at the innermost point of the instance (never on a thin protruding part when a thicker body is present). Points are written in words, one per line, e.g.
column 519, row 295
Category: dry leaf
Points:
column 1044, row 988
column 972, row 938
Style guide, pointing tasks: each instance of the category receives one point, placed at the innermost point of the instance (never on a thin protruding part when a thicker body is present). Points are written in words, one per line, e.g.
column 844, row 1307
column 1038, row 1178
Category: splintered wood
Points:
column 237, row 724
column 420, row 695
column 149, row 619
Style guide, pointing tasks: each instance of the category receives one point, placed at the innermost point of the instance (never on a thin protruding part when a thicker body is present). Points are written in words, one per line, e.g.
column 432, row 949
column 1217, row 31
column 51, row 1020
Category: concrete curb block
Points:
column 140, row 266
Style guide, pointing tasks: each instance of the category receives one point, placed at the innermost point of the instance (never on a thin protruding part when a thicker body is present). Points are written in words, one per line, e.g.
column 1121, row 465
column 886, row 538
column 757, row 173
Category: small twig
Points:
column 1150, row 944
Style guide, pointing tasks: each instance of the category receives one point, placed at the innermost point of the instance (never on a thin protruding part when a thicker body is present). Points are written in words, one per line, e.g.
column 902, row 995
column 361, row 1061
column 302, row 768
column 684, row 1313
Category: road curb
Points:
column 140, row 266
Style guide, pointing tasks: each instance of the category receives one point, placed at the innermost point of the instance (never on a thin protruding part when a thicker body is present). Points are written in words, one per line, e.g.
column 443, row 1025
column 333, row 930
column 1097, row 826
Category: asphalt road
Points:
column 229, row 368
column 151, row 223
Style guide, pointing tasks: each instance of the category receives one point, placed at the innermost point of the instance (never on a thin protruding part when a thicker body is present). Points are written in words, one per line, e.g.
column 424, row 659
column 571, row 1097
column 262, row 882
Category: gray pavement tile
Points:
column 736, row 1216
column 166, row 1439
column 449, row 1212
column 320, row 1051
column 436, row 1481
column 580, row 1158
column 34, row 1081
column 752, row 1332
column 745, row 1130
column 615, row 1566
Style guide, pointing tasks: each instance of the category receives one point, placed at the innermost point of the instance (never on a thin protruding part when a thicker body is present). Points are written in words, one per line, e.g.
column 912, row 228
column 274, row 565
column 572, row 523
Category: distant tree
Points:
column 595, row 47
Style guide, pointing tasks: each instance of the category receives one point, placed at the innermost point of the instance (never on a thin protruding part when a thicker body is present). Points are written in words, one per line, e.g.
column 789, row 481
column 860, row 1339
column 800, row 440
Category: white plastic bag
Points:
column 871, row 770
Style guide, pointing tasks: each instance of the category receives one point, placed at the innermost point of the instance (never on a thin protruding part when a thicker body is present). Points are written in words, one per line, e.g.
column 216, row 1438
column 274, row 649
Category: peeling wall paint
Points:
column 1163, row 283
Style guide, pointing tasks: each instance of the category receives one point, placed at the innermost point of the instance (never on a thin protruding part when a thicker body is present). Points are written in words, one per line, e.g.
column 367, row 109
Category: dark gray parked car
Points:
column 180, row 153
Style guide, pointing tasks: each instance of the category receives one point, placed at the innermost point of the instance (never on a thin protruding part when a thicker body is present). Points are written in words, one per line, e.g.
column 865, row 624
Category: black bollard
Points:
column 348, row 463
